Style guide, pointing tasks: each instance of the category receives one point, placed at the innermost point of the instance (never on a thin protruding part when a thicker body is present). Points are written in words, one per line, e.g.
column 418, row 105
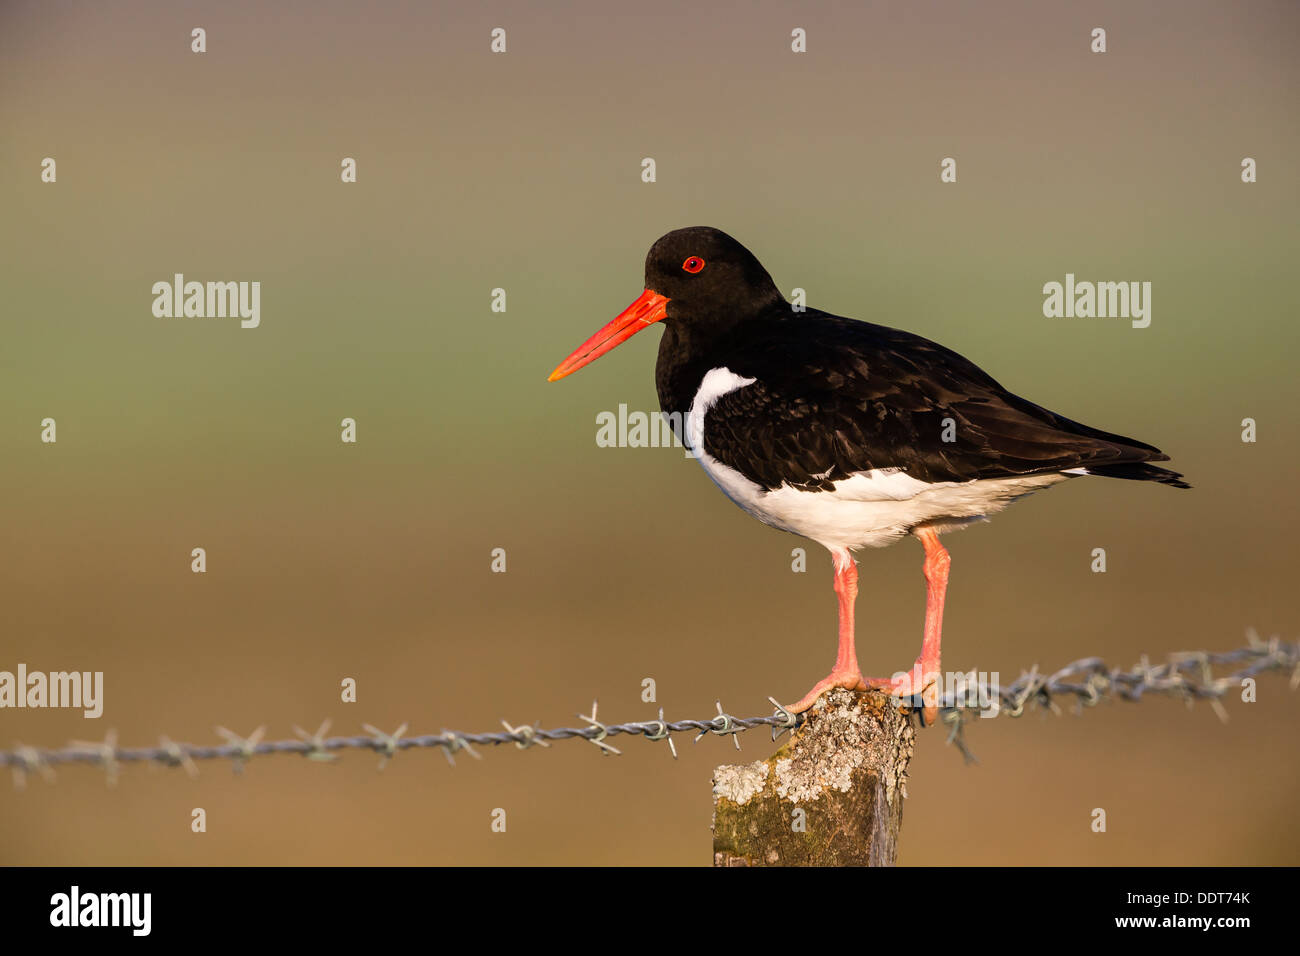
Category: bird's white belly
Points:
column 870, row 509
column 866, row 510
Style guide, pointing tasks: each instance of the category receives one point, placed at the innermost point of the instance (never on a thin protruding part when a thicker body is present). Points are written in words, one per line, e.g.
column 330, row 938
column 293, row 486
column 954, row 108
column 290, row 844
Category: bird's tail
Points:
column 1139, row 471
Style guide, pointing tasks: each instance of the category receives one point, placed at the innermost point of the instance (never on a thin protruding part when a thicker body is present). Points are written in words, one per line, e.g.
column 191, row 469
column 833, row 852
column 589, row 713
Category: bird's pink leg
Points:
column 925, row 677
column 845, row 673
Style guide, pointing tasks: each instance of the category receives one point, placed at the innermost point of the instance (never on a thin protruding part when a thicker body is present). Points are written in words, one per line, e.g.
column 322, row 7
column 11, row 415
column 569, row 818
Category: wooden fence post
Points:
column 832, row 796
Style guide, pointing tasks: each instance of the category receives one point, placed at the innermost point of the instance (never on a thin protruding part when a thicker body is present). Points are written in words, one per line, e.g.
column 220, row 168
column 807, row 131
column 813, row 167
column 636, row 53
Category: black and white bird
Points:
column 851, row 434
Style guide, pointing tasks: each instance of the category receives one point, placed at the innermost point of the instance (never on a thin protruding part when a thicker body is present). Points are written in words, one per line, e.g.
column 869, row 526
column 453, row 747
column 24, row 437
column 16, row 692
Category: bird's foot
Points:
column 924, row 679
column 848, row 678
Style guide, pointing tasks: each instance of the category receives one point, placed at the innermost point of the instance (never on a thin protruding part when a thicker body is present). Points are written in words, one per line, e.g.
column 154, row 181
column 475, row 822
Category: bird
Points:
column 848, row 433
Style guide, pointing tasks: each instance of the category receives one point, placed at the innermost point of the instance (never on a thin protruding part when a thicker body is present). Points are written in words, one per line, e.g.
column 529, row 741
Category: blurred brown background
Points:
column 522, row 171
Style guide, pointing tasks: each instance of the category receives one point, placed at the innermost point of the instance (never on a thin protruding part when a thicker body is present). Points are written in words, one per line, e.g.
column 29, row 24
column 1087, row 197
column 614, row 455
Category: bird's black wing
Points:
column 834, row 396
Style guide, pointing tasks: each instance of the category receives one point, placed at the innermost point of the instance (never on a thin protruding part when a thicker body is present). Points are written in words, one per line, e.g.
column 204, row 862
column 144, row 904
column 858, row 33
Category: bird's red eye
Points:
column 693, row 264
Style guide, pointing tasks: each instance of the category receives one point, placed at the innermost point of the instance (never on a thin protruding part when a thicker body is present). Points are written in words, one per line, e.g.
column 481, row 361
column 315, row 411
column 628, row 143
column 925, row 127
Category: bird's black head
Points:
column 703, row 273
column 698, row 277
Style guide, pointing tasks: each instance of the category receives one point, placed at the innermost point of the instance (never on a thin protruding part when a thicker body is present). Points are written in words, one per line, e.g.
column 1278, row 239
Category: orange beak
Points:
column 648, row 309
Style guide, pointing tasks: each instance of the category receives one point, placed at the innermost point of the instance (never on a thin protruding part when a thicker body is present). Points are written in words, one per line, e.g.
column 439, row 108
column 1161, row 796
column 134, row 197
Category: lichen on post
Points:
column 832, row 796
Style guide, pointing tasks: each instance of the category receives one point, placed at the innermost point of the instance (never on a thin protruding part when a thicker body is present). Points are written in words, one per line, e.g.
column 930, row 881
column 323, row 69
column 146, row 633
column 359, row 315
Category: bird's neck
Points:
column 689, row 349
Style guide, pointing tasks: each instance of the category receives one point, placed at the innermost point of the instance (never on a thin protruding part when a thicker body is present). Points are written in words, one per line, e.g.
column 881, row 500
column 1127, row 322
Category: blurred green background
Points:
column 522, row 171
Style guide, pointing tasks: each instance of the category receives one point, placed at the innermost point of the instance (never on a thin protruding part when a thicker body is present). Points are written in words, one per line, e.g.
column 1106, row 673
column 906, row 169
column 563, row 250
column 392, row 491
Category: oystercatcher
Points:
column 851, row 434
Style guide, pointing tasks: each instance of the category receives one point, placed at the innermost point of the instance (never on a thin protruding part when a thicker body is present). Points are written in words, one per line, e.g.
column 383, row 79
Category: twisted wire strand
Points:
column 1189, row 675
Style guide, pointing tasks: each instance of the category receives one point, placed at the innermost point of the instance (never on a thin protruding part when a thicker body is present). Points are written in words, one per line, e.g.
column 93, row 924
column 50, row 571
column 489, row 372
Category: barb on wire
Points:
column 1187, row 675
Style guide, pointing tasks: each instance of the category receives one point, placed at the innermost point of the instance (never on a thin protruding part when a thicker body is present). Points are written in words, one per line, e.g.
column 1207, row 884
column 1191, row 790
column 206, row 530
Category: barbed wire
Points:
column 1188, row 675
column 1185, row 674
